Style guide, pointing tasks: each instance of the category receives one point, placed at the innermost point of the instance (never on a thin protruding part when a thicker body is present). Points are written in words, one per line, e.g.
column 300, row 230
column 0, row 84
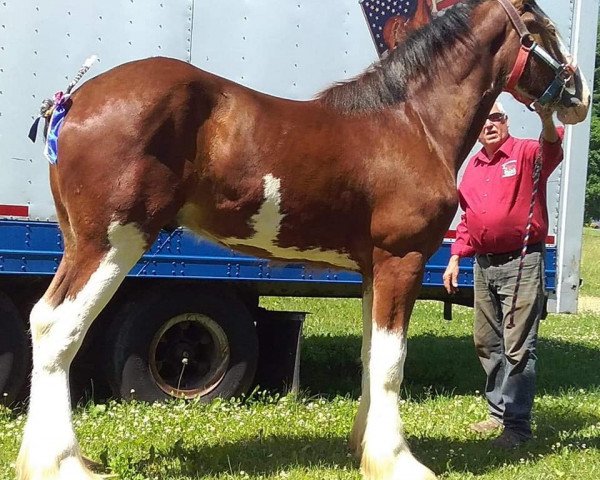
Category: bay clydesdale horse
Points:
column 363, row 177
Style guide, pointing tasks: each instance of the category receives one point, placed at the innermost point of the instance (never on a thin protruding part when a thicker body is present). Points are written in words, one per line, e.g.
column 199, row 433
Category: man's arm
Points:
column 550, row 141
column 549, row 133
column 460, row 248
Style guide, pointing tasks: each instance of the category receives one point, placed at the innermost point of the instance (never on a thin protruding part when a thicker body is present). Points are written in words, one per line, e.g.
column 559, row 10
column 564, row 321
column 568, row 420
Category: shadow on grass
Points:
column 331, row 366
column 256, row 456
column 259, row 456
column 477, row 457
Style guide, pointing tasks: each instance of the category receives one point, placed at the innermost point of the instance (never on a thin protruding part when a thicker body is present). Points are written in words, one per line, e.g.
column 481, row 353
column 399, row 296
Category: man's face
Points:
column 495, row 131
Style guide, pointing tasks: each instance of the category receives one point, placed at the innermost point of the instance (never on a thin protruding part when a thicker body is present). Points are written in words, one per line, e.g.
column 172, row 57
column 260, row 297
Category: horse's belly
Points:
column 294, row 254
column 261, row 233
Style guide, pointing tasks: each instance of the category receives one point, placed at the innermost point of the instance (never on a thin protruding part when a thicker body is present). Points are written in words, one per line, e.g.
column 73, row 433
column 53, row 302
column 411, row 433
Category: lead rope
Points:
column 537, row 168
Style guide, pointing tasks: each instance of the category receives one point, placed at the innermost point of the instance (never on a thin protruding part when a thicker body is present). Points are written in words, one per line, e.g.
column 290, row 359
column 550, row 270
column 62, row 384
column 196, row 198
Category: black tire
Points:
column 15, row 354
column 154, row 333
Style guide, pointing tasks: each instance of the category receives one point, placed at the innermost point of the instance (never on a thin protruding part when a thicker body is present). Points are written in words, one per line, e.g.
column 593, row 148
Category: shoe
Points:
column 486, row 426
column 509, row 439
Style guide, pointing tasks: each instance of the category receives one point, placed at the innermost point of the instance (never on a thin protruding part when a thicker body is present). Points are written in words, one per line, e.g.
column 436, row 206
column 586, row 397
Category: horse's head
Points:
column 544, row 71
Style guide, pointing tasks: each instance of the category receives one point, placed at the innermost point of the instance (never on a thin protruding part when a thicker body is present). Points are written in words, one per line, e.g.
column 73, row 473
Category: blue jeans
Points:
column 508, row 356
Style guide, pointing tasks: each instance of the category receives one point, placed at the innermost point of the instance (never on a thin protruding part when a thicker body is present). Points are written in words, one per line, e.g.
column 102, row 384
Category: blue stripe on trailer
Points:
column 35, row 248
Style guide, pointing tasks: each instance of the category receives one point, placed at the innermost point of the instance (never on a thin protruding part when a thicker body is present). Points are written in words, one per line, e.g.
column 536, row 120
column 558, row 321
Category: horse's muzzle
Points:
column 574, row 102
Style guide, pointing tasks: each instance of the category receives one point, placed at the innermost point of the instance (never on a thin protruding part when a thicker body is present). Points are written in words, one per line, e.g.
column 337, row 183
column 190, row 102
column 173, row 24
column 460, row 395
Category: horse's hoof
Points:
column 97, row 467
column 403, row 467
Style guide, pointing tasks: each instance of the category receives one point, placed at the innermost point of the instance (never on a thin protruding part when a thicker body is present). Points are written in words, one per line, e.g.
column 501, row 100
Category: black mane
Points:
column 421, row 54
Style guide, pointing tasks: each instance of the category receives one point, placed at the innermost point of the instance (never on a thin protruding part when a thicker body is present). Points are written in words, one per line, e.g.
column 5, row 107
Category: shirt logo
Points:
column 509, row 169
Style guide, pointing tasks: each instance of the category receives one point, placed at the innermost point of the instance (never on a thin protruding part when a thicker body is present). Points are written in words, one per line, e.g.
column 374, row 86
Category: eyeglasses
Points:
column 496, row 117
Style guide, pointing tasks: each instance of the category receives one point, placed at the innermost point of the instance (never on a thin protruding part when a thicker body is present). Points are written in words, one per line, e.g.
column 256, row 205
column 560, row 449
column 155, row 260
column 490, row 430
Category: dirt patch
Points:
column 589, row 304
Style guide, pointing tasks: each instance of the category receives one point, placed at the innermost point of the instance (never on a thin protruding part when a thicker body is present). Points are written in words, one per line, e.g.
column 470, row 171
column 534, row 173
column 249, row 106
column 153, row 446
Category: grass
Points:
column 590, row 266
column 304, row 437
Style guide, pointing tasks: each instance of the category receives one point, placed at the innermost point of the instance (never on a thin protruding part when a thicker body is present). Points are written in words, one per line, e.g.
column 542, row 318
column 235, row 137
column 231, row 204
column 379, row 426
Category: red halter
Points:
column 563, row 72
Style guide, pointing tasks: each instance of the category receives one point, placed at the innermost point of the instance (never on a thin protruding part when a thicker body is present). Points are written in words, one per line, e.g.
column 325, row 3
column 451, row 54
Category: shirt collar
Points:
column 503, row 151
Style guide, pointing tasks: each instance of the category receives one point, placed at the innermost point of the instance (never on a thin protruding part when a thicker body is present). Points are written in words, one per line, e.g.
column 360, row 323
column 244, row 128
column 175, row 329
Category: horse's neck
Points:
column 469, row 90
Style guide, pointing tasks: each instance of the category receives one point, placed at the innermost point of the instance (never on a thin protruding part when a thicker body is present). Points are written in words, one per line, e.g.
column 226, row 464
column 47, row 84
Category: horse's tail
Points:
column 49, row 105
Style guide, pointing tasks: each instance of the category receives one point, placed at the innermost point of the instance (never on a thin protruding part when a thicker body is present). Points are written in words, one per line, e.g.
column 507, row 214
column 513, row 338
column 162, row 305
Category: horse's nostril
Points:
column 573, row 102
column 570, row 100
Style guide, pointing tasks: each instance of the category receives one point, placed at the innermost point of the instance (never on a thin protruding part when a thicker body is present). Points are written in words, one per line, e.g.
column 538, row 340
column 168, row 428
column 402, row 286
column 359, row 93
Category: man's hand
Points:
column 548, row 128
column 451, row 274
column 544, row 112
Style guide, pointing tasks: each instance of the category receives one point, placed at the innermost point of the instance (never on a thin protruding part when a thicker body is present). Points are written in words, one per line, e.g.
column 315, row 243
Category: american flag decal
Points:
column 391, row 20
column 378, row 12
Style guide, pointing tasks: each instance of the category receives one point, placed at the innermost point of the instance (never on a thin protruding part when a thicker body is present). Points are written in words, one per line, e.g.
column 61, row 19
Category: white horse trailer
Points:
column 289, row 49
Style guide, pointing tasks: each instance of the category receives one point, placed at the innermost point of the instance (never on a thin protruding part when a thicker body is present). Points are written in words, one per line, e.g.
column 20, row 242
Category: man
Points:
column 495, row 195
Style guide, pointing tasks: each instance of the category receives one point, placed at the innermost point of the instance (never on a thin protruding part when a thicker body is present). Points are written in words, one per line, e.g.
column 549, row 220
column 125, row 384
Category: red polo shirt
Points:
column 495, row 195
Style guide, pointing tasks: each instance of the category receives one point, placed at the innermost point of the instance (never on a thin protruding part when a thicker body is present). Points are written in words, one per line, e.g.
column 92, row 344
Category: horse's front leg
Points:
column 396, row 283
column 360, row 422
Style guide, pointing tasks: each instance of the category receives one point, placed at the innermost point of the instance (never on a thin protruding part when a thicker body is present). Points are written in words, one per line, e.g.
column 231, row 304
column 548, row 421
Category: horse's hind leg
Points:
column 396, row 283
column 90, row 272
column 360, row 422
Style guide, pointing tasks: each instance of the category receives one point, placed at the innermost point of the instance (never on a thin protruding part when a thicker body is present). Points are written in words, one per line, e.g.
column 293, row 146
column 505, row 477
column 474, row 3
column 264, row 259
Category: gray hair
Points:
column 500, row 107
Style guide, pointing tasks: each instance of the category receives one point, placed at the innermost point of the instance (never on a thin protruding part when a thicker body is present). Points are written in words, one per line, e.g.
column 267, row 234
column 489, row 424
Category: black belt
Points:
column 502, row 258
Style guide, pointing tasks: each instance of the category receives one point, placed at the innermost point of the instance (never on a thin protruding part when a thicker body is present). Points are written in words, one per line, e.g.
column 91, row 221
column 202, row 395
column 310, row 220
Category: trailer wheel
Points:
column 183, row 344
column 14, row 352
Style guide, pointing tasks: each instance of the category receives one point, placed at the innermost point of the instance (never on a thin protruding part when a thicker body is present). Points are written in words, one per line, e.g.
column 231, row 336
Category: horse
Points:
column 362, row 177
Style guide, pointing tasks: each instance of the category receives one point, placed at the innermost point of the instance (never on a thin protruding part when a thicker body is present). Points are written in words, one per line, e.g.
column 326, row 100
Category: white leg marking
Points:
column 50, row 450
column 386, row 454
column 360, row 422
column 266, row 224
